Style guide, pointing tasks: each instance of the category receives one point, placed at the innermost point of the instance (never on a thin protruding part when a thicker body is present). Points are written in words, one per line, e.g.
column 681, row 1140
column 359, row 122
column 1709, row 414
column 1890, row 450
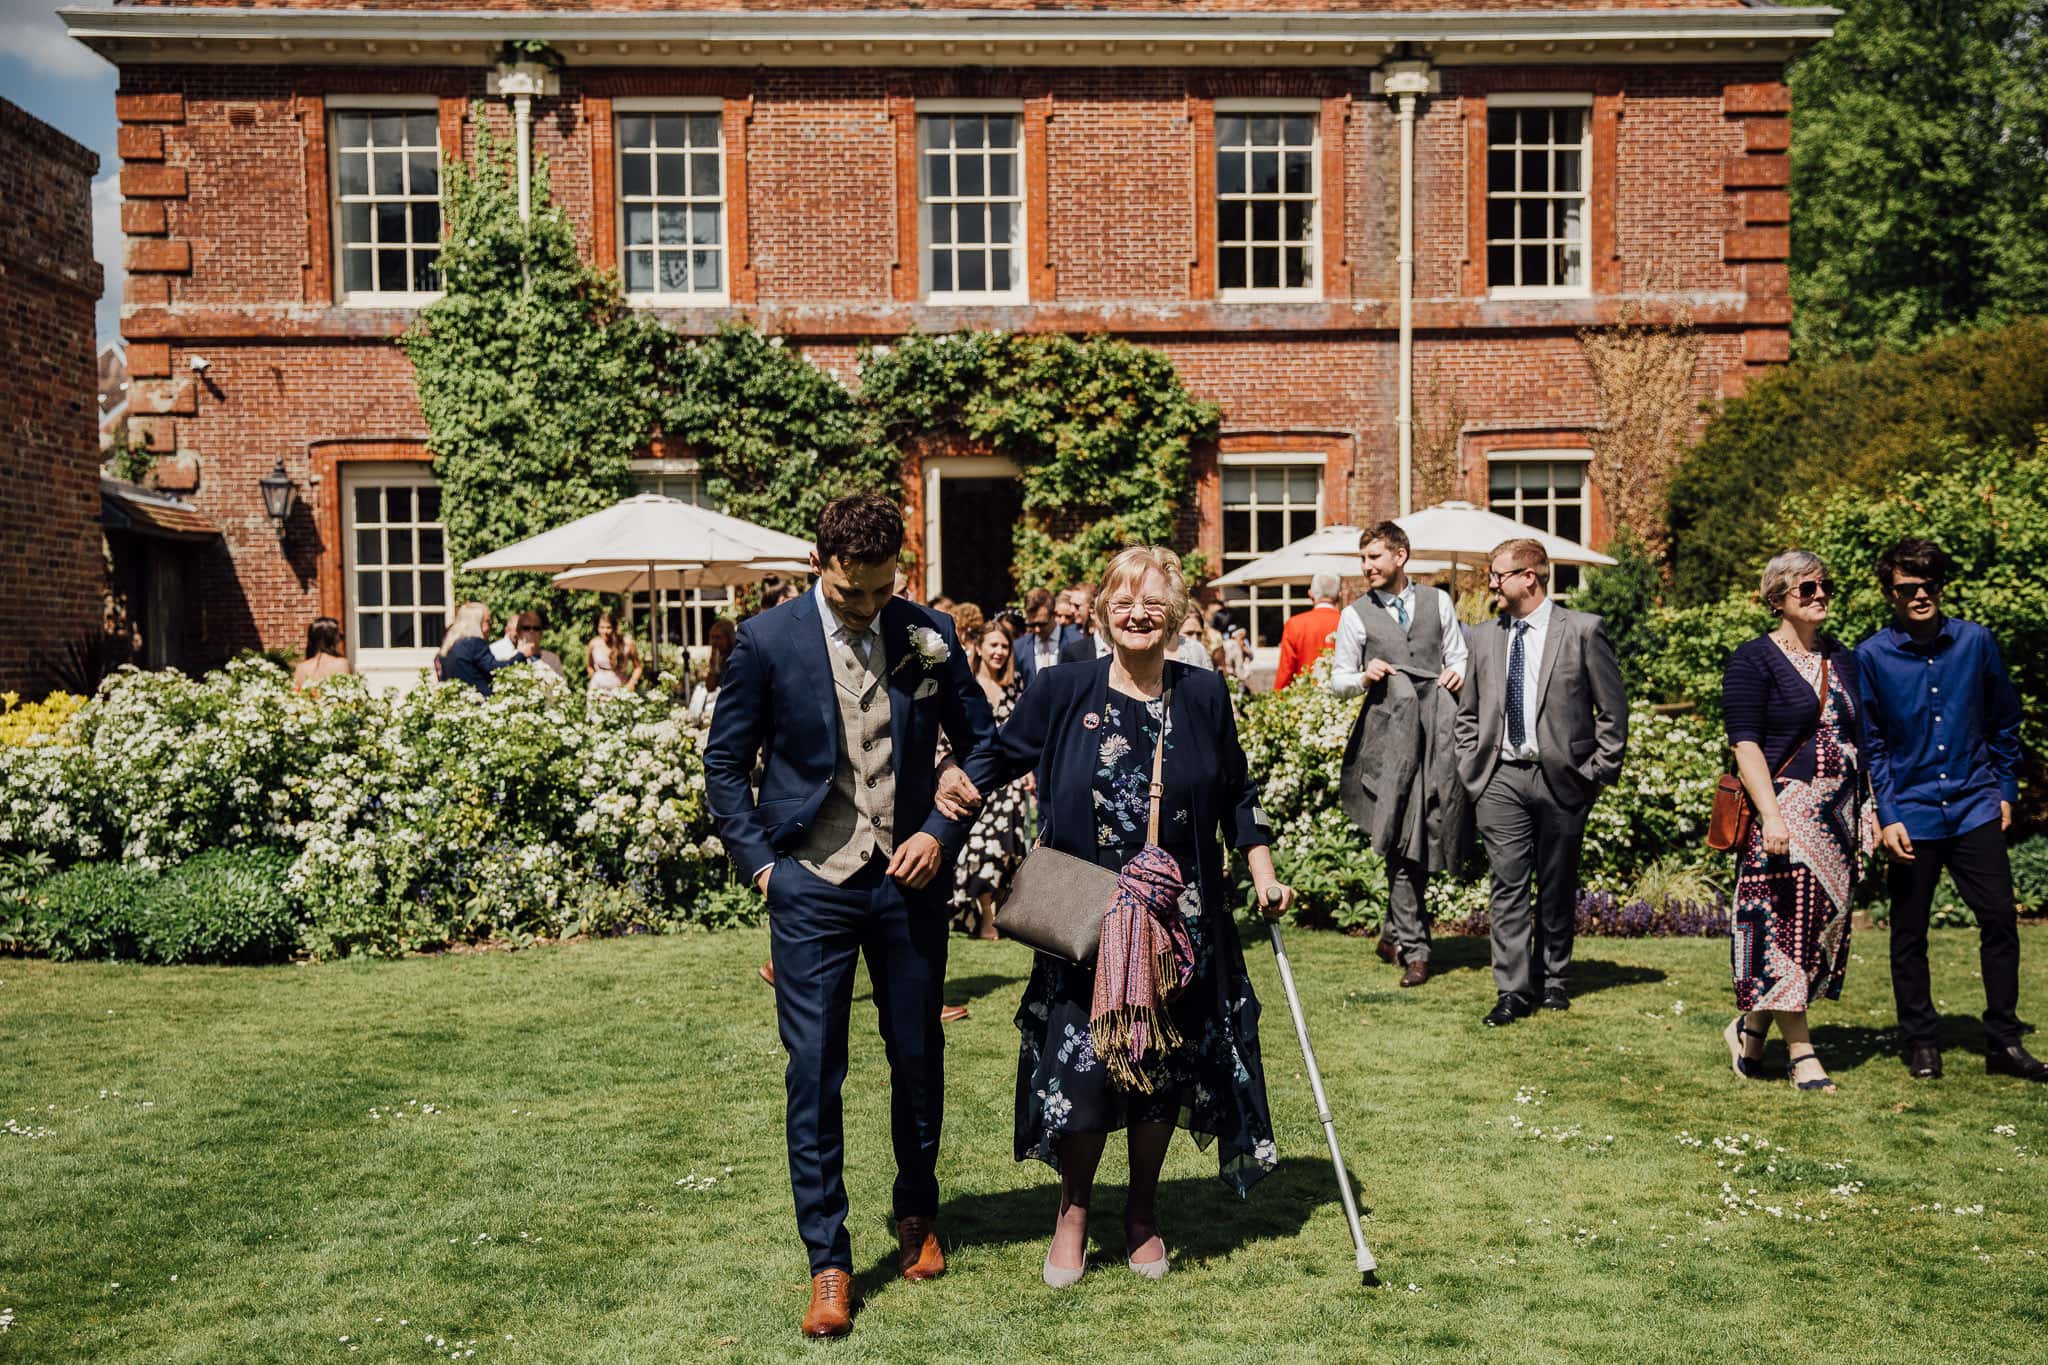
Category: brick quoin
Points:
column 1689, row 218
column 50, row 577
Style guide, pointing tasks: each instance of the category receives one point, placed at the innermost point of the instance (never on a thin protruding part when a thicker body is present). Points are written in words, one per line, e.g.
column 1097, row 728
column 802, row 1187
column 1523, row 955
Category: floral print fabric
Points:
column 1214, row 1084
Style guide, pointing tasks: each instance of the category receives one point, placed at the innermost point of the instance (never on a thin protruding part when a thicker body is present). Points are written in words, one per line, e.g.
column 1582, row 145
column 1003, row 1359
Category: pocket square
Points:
column 928, row 688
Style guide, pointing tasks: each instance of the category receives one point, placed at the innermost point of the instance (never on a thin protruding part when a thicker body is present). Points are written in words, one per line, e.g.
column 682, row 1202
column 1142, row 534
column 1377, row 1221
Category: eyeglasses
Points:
column 1907, row 590
column 1125, row 606
column 1495, row 577
column 1823, row 588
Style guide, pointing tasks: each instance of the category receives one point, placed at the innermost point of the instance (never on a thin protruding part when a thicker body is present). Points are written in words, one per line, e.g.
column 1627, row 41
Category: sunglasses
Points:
column 1812, row 588
column 1908, row 590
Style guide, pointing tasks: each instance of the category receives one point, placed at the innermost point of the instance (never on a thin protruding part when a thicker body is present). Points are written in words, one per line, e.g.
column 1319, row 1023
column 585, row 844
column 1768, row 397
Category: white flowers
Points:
column 929, row 646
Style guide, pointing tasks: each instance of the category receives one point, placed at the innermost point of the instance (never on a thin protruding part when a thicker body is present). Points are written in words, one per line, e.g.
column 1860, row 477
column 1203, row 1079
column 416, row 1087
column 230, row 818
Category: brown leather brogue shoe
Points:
column 1389, row 954
column 831, row 1310
column 917, row 1249
column 767, row 973
column 1417, row 973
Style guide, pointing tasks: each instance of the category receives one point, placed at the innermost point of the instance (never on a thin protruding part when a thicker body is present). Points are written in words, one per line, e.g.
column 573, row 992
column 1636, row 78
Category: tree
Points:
column 1919, row 173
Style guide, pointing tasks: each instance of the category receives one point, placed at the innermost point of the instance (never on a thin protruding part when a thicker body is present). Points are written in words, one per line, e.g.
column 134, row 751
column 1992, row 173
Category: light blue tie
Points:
column 1400, row 606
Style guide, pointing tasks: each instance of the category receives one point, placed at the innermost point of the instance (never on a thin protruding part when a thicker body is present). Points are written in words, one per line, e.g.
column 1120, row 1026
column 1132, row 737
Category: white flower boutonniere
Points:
column 928, row 647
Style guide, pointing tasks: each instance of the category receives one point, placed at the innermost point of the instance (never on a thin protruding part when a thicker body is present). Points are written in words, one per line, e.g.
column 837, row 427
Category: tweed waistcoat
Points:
column 1422, row 647
column 857, row 821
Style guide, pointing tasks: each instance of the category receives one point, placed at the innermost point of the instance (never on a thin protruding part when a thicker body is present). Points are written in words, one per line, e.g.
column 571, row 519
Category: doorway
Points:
column 972, row 506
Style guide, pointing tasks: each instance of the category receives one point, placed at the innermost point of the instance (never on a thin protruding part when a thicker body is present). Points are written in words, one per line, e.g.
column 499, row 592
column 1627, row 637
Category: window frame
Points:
column 333, row 107
column 1289, row 598
column 1020, row 252
column 387, row 658
column 628, row 106
column 1580, row 100
column 1311, row 108
column 1551, row 455
column 647, row 474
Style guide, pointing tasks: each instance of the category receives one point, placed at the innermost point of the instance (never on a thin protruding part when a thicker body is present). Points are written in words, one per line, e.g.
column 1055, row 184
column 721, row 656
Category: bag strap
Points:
column 1159, row 765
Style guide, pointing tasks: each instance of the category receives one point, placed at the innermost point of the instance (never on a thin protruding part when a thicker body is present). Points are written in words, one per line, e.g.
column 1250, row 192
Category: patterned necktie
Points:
column 1400, row 606
column 1518, row 731
column 859, row 642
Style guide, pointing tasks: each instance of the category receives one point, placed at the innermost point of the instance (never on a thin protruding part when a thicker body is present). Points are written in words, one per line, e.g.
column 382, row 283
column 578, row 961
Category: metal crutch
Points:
column 1366, row 1264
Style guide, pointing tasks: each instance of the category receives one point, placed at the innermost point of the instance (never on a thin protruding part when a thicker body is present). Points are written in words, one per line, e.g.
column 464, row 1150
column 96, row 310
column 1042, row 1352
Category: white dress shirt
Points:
column 1347, row 670
column 1044, row 653
column 1532, row 670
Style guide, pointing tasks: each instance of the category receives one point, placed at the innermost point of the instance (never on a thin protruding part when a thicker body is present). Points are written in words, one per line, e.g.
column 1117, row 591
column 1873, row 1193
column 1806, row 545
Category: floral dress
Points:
column 1791, row 926
column 996, row 842
column 1214, row 1085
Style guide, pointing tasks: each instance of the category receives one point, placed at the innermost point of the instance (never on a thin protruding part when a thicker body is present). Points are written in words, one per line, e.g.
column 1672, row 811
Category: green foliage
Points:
column 1817, row 428
column 536, row 380
column 1101, row 429
column 1338, row 883
column 129, row 459
column 1693, row 645
column 1626, row 596
column 84, row 911
column 778, row 437
column 1919, row 173
column 2030, row 874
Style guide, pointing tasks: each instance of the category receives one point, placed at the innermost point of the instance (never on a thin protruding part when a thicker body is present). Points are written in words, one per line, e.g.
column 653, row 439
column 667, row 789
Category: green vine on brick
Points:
column 539, row 384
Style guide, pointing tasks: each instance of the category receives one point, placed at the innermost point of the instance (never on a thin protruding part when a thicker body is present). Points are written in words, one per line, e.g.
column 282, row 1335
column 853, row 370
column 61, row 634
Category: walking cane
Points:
column 1366, row 1264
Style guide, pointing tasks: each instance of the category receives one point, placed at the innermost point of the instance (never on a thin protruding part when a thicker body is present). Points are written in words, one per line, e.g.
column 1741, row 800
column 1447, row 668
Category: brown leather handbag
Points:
column 1728, row 824
column 1056, row 901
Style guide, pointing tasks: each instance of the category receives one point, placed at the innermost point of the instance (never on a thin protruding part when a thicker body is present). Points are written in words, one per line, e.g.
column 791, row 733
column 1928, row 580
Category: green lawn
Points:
column 207, row 1175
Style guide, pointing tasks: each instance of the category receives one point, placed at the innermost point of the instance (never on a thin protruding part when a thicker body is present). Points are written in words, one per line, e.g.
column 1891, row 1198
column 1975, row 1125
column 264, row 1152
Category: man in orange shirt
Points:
column 1307, row 635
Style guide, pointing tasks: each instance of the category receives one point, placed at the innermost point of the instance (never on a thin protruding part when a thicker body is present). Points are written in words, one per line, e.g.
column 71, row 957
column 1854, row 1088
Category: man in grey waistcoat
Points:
column 1401, row 647
column 1542, row 727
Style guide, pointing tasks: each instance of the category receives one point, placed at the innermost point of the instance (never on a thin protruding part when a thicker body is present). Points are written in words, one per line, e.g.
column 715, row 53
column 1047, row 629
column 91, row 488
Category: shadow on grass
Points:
column 965, row 990
column 1589, row 975
column 1204, row 1221
column 1844, row 1047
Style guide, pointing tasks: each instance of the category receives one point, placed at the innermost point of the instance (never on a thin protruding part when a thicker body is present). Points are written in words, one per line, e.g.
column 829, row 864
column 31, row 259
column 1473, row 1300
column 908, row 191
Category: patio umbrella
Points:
column 673, row 577
column 1334, row 549
column 642, row 533
column 1464, row 534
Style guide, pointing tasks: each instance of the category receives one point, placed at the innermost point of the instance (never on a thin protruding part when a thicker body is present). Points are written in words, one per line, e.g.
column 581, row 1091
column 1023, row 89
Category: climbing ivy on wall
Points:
column 539, row 384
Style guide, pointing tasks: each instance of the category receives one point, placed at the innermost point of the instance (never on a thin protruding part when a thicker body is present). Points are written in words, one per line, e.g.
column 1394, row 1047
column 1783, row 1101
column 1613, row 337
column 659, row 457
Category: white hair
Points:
column 1785, row 571
column 1325, row 584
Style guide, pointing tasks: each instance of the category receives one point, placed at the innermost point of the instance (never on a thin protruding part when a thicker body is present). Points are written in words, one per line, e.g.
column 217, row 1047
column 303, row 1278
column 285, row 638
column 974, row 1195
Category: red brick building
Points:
column 1223, row 181
column 50, row 573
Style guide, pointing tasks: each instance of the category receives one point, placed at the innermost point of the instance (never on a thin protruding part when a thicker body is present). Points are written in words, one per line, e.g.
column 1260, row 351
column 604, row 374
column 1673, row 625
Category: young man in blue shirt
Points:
column 1942, row 727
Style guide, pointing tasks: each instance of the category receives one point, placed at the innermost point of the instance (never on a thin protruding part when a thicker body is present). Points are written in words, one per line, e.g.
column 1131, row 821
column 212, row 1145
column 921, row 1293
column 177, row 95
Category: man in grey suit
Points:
column 1542, row 726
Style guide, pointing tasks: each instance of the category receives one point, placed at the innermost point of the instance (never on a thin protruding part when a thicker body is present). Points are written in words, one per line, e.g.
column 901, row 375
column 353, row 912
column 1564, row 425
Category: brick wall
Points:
column 50, row 572
column 225, row 169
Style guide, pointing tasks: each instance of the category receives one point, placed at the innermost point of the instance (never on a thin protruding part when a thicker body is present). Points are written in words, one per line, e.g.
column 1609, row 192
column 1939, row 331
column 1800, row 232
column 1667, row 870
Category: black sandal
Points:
column 1826, row 1084
column 1749, row 1068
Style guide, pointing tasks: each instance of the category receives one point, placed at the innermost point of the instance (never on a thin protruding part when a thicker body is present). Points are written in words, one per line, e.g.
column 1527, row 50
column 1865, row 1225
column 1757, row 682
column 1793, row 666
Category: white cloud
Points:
column 108, row 248
column 31, row 31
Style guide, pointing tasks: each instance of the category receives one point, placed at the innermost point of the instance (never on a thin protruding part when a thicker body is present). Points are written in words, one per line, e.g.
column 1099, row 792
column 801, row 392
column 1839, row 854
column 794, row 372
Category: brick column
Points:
column 1760, row 243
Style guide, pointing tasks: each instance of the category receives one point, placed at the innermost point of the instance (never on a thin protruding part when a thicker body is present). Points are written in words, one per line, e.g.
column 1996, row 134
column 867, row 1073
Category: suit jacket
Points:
column 776, row 701
column 1400, row 778
column 1048, row 732
column 1581, row 708
column 1025, row 649
column 1080, row 649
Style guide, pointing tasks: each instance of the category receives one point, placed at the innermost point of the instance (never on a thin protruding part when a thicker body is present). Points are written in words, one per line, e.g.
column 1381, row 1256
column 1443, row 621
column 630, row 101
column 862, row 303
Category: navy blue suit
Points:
column 777, row 703
column 1025, row 650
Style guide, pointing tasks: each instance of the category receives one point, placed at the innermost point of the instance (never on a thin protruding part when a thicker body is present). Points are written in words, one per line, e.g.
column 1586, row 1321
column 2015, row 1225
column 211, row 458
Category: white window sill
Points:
column 721, row 299
column 1576, row 291
column 1269, row 295
column 957, row 298
column 389, row 300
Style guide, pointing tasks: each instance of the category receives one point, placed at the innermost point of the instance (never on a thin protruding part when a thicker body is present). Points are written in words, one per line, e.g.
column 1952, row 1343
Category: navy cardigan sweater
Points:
column 1765, row 701
column 1047, row 732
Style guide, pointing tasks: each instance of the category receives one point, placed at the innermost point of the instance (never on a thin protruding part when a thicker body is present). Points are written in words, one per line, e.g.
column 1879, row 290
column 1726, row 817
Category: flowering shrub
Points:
column 1654, row 816
column 39, row 721
column 435, row 817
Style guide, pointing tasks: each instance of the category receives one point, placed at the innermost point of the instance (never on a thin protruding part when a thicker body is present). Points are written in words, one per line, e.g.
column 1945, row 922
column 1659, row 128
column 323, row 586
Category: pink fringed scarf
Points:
column 1146, row 959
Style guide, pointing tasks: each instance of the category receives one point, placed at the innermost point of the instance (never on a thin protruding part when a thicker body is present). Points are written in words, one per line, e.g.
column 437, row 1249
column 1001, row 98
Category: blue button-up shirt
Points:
column 1943, row 728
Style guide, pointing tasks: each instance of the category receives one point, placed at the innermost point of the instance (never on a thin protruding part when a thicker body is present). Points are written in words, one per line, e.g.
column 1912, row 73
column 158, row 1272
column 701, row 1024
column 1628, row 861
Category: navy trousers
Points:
column 817, row 933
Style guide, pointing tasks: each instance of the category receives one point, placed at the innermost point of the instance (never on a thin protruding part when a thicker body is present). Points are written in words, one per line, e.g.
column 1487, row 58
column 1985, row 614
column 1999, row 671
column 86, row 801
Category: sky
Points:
column 69, row 87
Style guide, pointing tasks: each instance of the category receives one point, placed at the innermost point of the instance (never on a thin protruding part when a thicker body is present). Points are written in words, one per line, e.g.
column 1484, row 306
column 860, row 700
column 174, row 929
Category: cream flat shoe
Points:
column 1153, row 1270
column 1059, row 1277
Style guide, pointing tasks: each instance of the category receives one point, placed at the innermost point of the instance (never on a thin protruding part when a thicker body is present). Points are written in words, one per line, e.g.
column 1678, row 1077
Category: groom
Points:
column 846, row 690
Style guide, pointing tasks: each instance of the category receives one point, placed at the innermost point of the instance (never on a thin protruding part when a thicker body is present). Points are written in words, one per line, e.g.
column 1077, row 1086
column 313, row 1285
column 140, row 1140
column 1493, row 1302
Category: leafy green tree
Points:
column 1626, row 596
column 1919, row 173
column 1820, row 427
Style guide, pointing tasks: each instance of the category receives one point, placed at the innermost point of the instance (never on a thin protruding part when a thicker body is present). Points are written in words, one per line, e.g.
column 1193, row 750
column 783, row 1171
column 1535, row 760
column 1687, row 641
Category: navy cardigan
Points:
column 470, row 661
column 1047, row 732
column 1765, row 700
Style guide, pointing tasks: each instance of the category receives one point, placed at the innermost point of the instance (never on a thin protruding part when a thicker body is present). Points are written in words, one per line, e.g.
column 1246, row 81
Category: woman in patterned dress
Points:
column 996, row 842
column 1090, row 731
column 1790, row 703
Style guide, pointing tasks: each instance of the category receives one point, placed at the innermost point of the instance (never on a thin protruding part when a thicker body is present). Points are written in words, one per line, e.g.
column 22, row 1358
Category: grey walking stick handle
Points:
column 1366, row 1264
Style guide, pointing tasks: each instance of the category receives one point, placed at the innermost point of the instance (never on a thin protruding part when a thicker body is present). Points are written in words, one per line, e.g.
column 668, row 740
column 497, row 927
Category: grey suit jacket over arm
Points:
column 1581, row 708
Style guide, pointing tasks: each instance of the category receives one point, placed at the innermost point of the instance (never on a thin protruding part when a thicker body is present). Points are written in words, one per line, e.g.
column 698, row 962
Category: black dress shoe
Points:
column 1554, row 998
column 1506, row 1010
column 1923, row 1060
column 2016, row 1061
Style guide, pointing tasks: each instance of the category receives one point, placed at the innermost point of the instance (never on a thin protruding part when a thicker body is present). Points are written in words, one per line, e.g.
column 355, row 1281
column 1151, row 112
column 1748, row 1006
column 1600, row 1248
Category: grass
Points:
column 214, row 1181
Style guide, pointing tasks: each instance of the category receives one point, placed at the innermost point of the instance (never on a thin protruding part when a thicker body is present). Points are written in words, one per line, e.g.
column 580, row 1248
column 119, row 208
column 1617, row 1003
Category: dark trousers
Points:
column 1977, row 860
column 1530, row 834
column 817, row 933
column 1407, row 922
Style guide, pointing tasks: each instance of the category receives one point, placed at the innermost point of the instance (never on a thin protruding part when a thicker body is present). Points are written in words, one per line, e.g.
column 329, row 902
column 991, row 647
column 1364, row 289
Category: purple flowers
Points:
column 1605, row 915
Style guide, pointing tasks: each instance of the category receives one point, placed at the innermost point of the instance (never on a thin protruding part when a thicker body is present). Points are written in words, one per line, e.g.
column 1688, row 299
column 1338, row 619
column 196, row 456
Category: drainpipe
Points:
column 520, row 82
column 1406, row 82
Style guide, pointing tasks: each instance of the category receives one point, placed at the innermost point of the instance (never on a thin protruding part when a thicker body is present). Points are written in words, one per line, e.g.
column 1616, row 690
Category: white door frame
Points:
column 937, row 468
column 385, row 669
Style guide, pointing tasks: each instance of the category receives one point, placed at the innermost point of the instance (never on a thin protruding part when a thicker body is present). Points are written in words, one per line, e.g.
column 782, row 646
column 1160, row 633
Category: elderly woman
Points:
column 1089, row 731
column 1794, row 722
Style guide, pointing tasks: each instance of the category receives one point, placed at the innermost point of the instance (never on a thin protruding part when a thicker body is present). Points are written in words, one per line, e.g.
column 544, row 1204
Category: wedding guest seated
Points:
column 1090, row 732
column 466, row 652
column 1794, row 718
column 324, row 657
